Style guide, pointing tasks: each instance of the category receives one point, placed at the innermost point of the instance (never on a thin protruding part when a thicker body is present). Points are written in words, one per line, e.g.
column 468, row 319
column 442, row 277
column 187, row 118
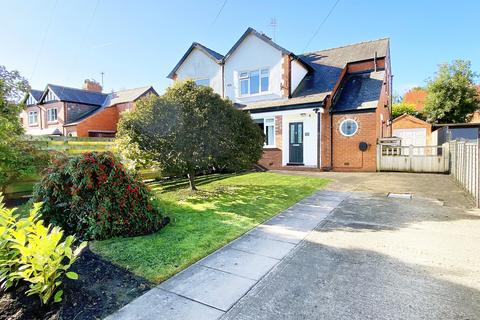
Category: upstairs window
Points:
column 254, row 82
column 203, row 82
column 32, row 118
column 52, row 115
column 267, row 126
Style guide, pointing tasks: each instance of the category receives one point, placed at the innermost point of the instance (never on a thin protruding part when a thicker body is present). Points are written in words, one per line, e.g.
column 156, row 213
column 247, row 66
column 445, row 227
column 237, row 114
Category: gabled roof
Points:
column 36, row 94
column 261, row 36
column 326, row 68
column 411, row 118
column 329, row 63
column 129, row 95
column 215, row 56
column 114, row 98
column 76, row 95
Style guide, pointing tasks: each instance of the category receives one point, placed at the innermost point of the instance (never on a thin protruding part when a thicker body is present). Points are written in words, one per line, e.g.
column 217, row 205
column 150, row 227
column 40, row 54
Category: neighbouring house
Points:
column 86, row 112
column 416, row 97
column 318, row 110
column 412, row 131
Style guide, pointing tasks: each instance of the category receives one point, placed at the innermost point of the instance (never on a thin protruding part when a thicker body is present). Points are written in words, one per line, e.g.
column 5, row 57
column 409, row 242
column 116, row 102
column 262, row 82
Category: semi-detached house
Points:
column 318, row 110
column 87, row 112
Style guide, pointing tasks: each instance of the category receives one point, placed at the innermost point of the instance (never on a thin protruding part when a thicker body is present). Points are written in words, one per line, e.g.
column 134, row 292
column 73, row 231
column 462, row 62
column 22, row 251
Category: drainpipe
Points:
column 331, row 138
column 222, row 65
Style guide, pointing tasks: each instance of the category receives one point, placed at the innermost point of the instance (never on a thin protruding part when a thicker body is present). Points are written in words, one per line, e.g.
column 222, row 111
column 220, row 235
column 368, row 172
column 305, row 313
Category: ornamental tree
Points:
column 188, row 130
column 452, row 95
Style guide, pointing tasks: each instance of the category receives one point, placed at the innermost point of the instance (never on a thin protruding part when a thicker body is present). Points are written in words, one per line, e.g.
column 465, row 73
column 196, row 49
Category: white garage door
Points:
column 414, row 137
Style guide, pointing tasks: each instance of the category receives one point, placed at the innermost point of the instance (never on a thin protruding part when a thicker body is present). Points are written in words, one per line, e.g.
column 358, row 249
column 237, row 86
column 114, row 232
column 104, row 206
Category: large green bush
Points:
column 35, row 254
column 93, row 196
column 189, row 130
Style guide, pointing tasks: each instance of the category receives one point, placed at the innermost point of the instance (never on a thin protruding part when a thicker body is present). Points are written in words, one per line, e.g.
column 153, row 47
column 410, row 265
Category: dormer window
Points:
column 254, row 82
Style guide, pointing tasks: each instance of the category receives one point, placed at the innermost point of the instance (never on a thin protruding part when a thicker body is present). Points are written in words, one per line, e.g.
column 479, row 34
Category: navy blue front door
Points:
column 296, row 143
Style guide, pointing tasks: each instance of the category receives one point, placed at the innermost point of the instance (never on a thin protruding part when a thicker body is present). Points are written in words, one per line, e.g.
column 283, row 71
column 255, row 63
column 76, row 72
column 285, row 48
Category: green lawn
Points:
column 225, row 207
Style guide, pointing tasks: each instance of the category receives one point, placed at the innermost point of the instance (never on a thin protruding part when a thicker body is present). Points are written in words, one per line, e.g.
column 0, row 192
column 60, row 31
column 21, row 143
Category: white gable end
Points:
column 253, row 54
column 199, row 66
column 298, row 72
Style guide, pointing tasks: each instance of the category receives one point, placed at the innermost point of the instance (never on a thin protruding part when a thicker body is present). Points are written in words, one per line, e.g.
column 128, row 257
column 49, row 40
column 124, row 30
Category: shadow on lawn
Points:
column 180, row 183
column 256, row 202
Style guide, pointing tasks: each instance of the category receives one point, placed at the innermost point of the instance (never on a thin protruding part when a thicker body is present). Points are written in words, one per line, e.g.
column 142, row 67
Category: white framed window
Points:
column 52, row 115
column 267, row 125
column 254, row 82
column 32, row 118
column 203, row 82
column 348, row 127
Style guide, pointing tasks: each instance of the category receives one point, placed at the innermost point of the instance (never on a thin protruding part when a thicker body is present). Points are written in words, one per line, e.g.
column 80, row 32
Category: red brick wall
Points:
column 286, row 75
column 346, row 154
column 105, row 120
column 271, row 158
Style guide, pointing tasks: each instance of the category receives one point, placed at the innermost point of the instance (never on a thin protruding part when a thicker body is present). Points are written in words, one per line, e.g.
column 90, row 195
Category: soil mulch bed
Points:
column 102, row 288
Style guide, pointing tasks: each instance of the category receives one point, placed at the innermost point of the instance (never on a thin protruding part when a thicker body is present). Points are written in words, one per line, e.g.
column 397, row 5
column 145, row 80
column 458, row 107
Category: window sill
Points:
column 52, row 122
column 269, row 147
column 33, row 125
column 265, row 93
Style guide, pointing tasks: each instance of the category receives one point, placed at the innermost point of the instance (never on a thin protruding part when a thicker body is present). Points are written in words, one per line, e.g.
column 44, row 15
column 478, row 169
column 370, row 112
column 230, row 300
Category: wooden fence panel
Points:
column 413, row 158
column 465, row 169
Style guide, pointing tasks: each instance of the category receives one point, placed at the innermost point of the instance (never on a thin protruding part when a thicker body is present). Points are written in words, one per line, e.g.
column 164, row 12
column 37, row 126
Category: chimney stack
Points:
column 92, row 85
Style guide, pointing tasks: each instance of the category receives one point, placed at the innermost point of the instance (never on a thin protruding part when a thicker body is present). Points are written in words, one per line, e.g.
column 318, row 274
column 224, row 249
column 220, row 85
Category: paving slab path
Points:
column 210, row 287
column 345, row 253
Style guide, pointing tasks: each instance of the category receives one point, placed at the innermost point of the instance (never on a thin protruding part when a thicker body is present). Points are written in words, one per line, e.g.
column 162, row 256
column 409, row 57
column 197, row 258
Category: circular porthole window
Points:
column 348, row 127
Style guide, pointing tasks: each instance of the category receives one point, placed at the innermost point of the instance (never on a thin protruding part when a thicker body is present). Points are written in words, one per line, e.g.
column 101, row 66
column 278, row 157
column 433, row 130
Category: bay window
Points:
column 254, row 82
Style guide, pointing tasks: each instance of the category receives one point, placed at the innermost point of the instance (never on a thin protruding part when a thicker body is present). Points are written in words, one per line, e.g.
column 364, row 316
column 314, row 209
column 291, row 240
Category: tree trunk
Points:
column 191, row 178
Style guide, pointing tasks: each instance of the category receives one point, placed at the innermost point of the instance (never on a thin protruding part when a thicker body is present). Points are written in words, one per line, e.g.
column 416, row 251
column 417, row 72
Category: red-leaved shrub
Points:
column 93, row 196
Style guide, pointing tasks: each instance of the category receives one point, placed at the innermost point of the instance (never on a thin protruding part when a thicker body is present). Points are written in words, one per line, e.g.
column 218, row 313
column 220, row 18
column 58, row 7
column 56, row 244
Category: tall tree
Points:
column 17, row 158
column 190, row 129
column 452, row 95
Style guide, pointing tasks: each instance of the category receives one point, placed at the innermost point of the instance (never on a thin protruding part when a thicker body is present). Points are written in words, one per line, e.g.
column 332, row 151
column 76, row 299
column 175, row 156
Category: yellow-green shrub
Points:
column 44, row 259
column 35, row 254
column 11, row 226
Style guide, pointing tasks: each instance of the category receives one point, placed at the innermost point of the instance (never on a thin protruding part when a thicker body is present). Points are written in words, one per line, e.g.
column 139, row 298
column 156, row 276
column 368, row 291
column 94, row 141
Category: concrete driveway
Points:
column 375, row 257
column 348, row 252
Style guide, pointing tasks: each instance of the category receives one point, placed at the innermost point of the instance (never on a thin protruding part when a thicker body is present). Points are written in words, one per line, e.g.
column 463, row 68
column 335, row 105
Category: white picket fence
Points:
column 464, row 166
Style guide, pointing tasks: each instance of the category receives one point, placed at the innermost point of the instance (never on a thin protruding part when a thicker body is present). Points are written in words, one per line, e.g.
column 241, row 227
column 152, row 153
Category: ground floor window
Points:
column 33, row 118
column 268, row 127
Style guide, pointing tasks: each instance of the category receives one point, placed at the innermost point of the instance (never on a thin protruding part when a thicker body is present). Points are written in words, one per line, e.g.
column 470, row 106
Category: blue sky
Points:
column 136, row 43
